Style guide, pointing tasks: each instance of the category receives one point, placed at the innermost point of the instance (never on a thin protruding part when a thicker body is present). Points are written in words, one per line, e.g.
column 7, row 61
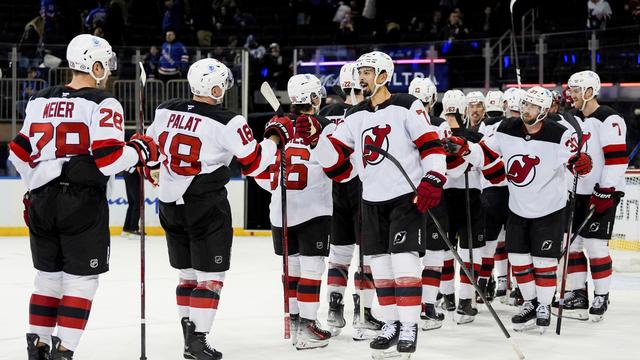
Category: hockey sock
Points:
column 466, row 289
column 488, row 253
column 600, row 264
column 365, row 285
column 545, row 278
column 407, row 269
column 74, row 307
column 294, row 278
column 338, row 274
column 500, row 258
column 522, row 267
column 577, row 267
column 203, row 304
column 311, row 270
column 385, row 286
column 186, row 284
column 448, row 274
column 43, row 305
column 431, row 274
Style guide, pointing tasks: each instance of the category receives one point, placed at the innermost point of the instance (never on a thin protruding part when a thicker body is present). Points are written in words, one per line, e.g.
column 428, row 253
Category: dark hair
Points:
column 301, row 108
column 355, row 91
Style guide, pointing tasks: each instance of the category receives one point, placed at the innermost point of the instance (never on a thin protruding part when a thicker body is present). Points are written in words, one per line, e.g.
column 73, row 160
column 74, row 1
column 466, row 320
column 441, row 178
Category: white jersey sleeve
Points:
column 253, row 156
column 426, row 138
column 612, row 134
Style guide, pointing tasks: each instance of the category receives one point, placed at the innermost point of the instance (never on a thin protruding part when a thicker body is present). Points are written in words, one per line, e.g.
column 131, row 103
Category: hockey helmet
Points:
column 85, row 50
column 208, row 73
column 424, row 89
column 494, row 101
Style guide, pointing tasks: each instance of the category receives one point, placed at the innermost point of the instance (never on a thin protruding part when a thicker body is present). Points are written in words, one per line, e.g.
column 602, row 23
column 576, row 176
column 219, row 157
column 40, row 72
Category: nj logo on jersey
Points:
column 377, row 136
column 572, row 143
column 521, row 169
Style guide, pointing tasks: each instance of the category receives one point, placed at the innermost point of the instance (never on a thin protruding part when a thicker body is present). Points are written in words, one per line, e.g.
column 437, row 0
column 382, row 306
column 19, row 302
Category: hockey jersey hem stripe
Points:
column 615, row 154
column 106, row 152
column 21, row 147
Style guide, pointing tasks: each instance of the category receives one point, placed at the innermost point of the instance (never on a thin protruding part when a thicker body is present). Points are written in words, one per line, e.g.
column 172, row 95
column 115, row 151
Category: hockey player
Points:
column 425, row 90
column 71, row 143
column 513, row 99
column 535, row 154
column 198, row 137
column 394, row 220
column 604, row 133
column 309, row 228
column 346, row 225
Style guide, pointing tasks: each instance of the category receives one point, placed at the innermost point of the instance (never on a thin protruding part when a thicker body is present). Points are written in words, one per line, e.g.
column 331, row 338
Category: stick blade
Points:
column 143, row 74
column 513, row 2
column 270, row 96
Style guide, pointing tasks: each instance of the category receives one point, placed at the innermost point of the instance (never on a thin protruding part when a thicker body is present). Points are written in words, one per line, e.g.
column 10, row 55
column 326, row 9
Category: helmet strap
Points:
column 584, row 101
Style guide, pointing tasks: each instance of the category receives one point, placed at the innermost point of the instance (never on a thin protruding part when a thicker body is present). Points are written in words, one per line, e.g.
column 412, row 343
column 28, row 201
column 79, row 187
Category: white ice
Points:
column 249, row 322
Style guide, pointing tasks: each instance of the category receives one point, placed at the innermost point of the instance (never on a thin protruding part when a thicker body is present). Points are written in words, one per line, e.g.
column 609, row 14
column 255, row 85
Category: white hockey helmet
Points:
column 474, row 97
column 349, row 78
column 424, row 89
column 380, row 62
column 541, row 97
column 584, row 80
column 494, row 101
column 304, row 89
column 454, row 101
column 85, row 50
column 205, row 74
column 513, row 97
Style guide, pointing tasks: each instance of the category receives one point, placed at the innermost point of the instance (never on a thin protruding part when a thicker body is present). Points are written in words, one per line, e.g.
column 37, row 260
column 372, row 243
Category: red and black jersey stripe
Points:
column 464, row 279
column 106, row 152
column 342, row 168
column 523, row 273
column 577, row 263
column 454, row 161
column 363, row 282
column 496, row 173
column 73, row 312
column 21, row 146
column 615, row 154
column 489, row 155
column 448, row 271
column 183, row 294
column 337, row 276
column 251, row 162
column 428, row 144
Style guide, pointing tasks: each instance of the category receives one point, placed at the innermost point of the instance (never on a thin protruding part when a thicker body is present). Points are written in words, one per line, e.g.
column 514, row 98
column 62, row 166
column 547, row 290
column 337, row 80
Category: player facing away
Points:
column 71, row 143
column 309, row 227
column 346, row 224
column 535, row 153
column 197, row 139
column 425, row 90
column 393, row 216
column 604, row 134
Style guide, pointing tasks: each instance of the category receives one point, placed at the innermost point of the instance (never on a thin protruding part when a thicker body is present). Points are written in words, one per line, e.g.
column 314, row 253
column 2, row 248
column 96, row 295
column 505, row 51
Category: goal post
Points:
column 626, row 231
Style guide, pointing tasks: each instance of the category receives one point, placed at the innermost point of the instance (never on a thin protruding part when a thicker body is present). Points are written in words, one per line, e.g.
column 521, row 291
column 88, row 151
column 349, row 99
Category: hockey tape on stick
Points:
column 455, row 254
column 271, row 97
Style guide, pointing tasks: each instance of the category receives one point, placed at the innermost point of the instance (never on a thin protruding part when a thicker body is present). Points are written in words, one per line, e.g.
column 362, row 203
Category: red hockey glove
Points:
column 580, row 163
column 146, row 148
column 602, row 198
column 152, row 174
column 456, row 146
column 429, row 191
column 307, row 129
column 26, row 201
column 280, row 126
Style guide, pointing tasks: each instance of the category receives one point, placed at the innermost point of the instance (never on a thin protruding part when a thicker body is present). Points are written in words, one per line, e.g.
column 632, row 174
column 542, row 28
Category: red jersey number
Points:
column 71, row 138
column 178, row 155
column 111, row 119
column 300, row 172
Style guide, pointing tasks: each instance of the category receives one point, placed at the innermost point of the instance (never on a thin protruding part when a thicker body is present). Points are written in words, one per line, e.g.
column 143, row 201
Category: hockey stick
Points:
column 271, row 98
column 514, row 45
column 469, row 232
column 572, row 203
column 338, row 91
column 143, row 325
column 361, row 262
column 455, row 254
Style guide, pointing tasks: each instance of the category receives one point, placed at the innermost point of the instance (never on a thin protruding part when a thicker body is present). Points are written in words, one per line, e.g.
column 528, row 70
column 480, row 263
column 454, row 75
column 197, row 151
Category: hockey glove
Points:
column 152, row 174
column 602, row 198
column 456, row 146
column 429, row 191
column 580, row 163
column 26, row 201
column 307, row 129
column 280, row 126
column 146, row 148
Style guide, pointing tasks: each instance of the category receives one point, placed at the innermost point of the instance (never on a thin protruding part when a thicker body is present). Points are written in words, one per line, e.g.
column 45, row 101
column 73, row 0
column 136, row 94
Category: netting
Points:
column 626, row 231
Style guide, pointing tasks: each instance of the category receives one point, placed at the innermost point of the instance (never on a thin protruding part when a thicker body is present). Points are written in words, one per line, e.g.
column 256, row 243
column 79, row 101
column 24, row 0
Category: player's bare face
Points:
column 576, row 96
column 529, row 112
column 476, row 112
column 367, row 80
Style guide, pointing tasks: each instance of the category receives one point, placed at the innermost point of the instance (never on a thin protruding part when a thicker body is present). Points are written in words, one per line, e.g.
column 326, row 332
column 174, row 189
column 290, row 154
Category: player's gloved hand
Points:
column 580, row 163
column 307, row 129
column 429, row 191
column 280, row 126
column 456, row 146
column 602, row 198
column 146, row 148
column 26, row 201
column 152, row 174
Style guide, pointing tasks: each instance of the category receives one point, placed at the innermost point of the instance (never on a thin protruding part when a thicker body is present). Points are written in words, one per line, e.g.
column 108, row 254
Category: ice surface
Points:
column 249, row 320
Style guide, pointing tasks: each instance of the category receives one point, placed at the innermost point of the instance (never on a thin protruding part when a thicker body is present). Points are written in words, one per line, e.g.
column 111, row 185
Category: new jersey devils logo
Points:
column 572, row 143
column 376, row 136
column 521, row 169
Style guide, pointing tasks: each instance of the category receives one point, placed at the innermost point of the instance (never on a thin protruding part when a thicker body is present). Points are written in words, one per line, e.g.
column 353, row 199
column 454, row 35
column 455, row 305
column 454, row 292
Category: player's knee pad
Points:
column 381, row 266
column 341, row 254
column 312, row 267
column 433, row 258
column 187, row 275
column 520, row 259
column 544, row 263
column 596, row 248
column 294, row 265
column 577, row 245
column 80, row 286
column 406, row 264
column 48, row 283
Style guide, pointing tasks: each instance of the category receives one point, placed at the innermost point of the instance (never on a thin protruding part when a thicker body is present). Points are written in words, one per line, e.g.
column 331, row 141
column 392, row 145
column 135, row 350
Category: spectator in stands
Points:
column 276, row 68
column 151, row 60
column 436, row 24
column 115, row 25
column 174, row 59
column 598, row 12
column 243, row 18
column 48, row 13
column 256, row 50
column 633, row 11
column 29, row 87
column 341, row 12
column 172, row 19
column 455, row 29
column 346, row 33
column 31, row 43
column 97, row 17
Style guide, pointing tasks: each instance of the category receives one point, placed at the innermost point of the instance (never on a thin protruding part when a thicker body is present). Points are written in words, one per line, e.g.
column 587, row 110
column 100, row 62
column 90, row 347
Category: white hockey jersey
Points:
column 488, row 127
column 197, row 138
column 336, row 114
column 400, row 126
column 61, row 123
column 535, row 165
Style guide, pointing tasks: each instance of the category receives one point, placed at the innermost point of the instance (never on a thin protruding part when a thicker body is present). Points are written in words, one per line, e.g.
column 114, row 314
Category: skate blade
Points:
column 310, row 344
column 405, row 356
column 335, row 331
column 526, row 326
column 542, row 329
column 390, row 353
column 431, row 325
column 596, row 318
column 364, row 334
column 464, row 319
column 582, row 315
column 187, row 355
